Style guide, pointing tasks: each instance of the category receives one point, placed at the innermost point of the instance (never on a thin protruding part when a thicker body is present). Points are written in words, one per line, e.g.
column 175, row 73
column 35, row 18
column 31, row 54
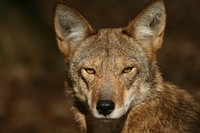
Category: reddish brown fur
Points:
column 120, row 65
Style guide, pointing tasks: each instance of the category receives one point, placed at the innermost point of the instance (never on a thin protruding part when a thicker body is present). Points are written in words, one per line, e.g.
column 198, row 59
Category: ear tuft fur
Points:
column 71, row 28
column 150, row 22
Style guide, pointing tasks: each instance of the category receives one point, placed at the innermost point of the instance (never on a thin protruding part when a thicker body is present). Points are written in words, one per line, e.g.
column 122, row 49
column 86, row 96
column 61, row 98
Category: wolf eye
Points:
column 90, row 70
column 127, row 69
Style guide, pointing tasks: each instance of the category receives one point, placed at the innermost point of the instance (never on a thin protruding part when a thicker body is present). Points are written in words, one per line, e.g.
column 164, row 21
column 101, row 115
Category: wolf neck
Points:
column 105, row 126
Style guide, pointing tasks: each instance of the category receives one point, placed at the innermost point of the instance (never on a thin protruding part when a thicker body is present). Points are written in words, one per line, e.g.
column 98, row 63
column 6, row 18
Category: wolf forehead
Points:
column 109, row 44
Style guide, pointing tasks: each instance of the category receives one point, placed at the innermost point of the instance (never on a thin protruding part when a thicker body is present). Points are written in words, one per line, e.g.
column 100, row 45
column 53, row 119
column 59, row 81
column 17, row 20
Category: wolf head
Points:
column 112, row 70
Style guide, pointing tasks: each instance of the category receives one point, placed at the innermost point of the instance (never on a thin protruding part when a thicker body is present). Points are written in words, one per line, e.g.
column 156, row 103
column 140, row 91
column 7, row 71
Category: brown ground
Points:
column 32, row 96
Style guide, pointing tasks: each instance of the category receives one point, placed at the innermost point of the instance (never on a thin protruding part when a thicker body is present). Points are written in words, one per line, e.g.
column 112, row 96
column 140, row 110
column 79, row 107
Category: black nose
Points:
column 105, row 107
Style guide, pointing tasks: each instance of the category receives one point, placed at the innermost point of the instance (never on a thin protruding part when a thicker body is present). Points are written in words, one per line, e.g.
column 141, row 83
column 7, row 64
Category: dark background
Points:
column 32, row 95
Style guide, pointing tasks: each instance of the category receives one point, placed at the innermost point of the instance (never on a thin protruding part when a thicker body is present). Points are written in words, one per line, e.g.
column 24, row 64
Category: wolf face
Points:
column 112, row 70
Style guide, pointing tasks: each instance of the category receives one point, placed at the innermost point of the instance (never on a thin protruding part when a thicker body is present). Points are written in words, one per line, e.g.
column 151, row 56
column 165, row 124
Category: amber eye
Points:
column 127, row 69
column 90, row 70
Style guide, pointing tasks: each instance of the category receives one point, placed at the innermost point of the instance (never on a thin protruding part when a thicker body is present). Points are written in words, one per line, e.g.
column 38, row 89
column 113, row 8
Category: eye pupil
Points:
column 90, row 70
column 127, row 70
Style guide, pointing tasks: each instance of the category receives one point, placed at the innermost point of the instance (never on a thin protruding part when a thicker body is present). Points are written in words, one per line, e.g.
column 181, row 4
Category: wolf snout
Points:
column 105, row 107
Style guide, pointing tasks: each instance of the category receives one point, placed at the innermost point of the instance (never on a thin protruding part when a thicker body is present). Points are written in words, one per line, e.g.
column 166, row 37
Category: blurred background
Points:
column 32, row 95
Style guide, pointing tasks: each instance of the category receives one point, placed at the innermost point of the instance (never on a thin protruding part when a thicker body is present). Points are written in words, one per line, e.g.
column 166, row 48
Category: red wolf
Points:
column 114, row 79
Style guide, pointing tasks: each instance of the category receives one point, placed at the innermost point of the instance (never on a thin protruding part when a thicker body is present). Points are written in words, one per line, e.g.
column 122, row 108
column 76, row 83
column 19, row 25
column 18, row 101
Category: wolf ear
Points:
column 149, row 25
column 71, row 28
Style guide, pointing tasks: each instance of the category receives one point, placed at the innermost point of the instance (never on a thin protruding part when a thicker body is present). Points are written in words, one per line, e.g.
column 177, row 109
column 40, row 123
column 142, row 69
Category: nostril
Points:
column 105, row 107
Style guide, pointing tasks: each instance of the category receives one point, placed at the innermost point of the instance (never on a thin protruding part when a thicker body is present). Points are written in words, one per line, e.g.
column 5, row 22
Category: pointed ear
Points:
column 71, row 28
column 149, row 25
